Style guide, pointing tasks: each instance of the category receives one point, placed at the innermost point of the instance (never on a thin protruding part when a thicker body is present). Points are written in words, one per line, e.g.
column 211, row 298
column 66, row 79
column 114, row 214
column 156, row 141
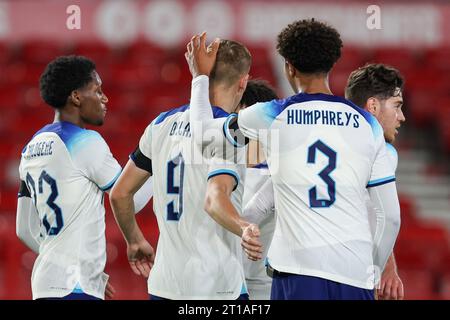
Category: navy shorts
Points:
column 74, row 296
column 287, row 286
column 243, row 296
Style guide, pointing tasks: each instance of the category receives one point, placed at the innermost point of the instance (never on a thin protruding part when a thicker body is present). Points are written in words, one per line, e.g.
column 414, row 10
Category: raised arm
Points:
column 201, row 60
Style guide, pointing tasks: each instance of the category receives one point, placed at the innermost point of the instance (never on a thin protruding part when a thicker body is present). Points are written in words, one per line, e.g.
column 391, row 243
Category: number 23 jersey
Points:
column 66, row 170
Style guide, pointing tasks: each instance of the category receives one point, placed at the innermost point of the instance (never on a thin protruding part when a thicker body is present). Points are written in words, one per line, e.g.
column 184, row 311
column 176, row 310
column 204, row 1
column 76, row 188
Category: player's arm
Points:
column 201, row 61
column 27, row 219
column 261, row 204
column 136, row 172
column 385, row 200
column 391, row 286
column 219, row 206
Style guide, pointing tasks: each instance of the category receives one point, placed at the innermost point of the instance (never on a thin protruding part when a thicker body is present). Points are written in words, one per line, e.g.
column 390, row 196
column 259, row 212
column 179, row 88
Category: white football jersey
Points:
column 66, row 170
column 322, row 151
column 258, row 282
column 196, row 258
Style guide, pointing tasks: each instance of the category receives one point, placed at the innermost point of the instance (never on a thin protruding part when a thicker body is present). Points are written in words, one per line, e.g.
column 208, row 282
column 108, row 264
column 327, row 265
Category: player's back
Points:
column 196, row 258
column 66, row 168
column 321, row 151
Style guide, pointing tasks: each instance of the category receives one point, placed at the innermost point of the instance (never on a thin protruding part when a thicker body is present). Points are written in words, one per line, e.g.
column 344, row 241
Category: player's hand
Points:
column 250, row 242
column 391, row 286
column 109, row 291
column 141, row 257
column 201, row 59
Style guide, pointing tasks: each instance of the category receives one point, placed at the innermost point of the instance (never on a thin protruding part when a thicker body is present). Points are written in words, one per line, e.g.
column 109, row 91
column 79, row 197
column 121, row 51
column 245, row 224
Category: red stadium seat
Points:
column 424, row 245
column 402, row 59
column 418, row 284
column 351, row 59
column 438, row 58
column 144, row 52
column 41, row 52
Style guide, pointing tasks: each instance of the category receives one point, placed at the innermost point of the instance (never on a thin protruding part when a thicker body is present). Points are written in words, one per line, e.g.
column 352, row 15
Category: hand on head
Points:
column 200, row 58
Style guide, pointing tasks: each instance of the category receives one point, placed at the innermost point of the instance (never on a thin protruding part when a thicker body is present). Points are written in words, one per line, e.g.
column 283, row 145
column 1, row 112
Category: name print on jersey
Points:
column 325, row 117
column 39, row 149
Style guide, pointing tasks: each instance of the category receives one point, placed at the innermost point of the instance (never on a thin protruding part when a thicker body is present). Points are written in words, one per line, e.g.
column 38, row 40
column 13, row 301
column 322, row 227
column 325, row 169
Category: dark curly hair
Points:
column 257, row 91
column 233, row 60
column 373, row 80
column 62, row 76
column 310, row 46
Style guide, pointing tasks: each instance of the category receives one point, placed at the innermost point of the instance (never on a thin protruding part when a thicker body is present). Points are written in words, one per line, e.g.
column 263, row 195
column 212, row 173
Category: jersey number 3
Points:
column 324, row 175
column 51, row 231
column 178, row 161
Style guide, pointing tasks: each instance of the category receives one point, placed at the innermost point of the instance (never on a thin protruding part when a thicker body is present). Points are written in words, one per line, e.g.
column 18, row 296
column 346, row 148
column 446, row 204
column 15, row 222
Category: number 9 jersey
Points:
column 323, row 152
column 66, row 170
column 196, row 258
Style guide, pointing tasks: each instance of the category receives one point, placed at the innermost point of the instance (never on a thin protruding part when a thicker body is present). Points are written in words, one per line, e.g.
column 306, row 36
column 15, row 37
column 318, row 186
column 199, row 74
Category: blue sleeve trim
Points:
column 226, row 131
column 227, row 172
column 110, row 185
column 380, row 182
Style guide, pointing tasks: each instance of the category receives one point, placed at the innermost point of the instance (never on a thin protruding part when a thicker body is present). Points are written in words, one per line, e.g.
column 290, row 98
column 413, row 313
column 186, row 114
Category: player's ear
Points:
column 75, row 98
column 290, row 69
column 243, row 83
column 373, row 106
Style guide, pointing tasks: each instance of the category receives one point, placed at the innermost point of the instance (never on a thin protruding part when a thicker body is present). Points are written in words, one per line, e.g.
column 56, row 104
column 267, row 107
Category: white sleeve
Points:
column 205, row 129
column 143, row 195
column 28, row 223
column 383, row 170
column 261, row 204
column 224, row 158
column 387, row 209
column 96, row 161
column 255, row 120
column 200, row 106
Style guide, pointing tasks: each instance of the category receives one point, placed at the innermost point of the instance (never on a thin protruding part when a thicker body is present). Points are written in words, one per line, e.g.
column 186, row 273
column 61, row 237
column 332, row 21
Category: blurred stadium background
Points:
column 138, row 47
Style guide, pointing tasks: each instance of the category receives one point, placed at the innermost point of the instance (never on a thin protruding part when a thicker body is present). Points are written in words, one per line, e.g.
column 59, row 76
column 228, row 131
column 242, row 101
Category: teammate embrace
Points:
column 320, row 205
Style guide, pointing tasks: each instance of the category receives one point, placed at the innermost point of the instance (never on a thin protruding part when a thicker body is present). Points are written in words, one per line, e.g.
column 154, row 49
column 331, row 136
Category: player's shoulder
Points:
column 392, row 151
column 162, row 117
column 70, row 134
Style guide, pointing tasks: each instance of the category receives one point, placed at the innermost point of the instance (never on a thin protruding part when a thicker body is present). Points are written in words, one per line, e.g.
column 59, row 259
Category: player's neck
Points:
column 66, row 114
column 223, row 99
column 313, row 84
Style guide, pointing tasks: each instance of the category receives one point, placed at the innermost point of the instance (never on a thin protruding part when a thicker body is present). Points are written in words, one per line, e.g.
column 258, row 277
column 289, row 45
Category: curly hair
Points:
column 62, row 76
column 310, row 46
column 257, row 91
column 373, row 80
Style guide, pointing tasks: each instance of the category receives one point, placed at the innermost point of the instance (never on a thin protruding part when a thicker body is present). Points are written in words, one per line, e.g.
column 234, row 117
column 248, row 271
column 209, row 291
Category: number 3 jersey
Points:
column 66, row 170
column 196, row 258
column 323, row 152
